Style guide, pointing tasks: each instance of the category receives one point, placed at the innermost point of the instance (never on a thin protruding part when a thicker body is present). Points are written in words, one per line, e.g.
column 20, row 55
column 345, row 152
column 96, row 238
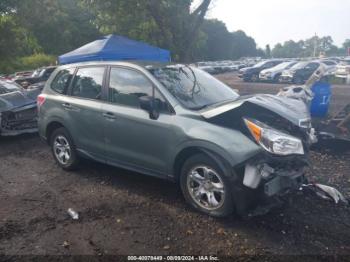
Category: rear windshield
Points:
column 299, row 65
column 284, row 65
column 6, row 87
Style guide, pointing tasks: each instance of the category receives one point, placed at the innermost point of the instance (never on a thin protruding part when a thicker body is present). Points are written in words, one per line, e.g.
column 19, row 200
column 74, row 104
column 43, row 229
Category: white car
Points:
column 343, row 69
column 273, row 74
column 331, row 66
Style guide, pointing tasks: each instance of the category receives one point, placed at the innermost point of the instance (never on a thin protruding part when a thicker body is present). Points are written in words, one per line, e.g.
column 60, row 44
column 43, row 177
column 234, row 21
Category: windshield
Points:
column 37, row 72
column 284, row 65
column 260, row 64
column 6, row 87
column 193, row 88
column 299, row 65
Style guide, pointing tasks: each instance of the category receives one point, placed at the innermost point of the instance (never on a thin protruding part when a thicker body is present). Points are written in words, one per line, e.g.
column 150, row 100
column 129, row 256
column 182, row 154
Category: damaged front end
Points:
column 19, row 121
column 18, row 110
column 282, row 127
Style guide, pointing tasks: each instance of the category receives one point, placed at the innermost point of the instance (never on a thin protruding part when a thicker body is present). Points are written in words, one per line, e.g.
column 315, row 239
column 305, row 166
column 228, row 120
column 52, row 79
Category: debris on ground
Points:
column 66, row 244
column 73, row 214
column 327, row 192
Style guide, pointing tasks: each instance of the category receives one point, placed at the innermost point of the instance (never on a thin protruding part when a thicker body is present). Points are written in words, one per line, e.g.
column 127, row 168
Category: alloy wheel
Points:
column 206, row 188
column 62, row 149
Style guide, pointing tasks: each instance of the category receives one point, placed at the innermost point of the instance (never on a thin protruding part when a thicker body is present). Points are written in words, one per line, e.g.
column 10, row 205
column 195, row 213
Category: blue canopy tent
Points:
column 114, row 47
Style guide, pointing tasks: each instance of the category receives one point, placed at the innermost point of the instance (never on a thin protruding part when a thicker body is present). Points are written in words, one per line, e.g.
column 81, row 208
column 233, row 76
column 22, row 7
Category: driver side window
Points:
column 127, row 86
column 88, row 83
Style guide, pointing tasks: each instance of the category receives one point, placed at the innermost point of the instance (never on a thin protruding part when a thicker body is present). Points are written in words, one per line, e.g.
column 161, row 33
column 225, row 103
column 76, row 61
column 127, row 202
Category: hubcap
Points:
column 62, row 149
column 206, row 187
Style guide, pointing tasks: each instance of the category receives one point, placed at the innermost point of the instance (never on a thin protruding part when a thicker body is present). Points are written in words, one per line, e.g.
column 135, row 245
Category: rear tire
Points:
column 63, row 149
column 206, row 187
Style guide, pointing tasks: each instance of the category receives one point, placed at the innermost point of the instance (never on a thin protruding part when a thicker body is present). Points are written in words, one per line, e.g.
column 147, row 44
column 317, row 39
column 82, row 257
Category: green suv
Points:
column 177, row 122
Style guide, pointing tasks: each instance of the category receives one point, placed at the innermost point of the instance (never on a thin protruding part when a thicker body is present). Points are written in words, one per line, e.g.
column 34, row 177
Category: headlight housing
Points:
column 274, row 141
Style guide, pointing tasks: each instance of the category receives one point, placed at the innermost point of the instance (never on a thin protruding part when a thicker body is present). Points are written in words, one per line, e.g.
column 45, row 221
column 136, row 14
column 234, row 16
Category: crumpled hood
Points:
column 14, row 100
column 294, row 110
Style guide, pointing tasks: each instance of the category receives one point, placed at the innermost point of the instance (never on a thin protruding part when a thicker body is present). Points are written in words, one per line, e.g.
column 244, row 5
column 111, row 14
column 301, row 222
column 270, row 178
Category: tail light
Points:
column 40, row 101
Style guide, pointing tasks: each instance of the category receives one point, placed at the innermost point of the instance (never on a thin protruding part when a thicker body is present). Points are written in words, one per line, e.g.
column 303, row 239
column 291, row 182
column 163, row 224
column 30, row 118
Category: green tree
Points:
column 15, row 39
column 166, row 23
column 58, row 25
column 313, row 46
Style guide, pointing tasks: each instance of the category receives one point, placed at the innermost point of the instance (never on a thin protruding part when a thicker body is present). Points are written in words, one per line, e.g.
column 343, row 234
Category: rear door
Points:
column 84, row 109
column 132, row 137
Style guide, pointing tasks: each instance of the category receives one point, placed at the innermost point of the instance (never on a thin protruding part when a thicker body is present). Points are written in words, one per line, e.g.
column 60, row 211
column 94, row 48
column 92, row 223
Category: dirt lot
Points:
column 127, row 213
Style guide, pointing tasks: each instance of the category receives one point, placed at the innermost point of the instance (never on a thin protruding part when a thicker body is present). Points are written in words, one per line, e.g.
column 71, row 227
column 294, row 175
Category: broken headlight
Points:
column 274, row 141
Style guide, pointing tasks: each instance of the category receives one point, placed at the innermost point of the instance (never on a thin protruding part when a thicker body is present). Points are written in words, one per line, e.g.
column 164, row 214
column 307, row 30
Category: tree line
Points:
column 54, row 27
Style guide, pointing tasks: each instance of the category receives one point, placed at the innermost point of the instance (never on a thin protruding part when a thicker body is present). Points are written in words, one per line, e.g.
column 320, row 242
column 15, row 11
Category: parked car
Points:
column 273, row 74
column 177, row 122
column 21, row 74
column 252, row 73
column 330, row 66
column 299, row 73
column 207, row 67
column 18, row 111
column 343, row 69
column 39, row 75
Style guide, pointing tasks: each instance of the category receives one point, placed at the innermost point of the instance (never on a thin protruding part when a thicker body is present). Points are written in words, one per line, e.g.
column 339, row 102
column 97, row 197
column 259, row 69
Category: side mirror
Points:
column 149, row 104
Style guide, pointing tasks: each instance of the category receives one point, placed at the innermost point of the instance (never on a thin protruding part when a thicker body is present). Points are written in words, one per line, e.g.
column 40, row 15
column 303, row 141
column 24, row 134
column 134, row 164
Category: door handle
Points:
column 68, row 106
column 109, row 116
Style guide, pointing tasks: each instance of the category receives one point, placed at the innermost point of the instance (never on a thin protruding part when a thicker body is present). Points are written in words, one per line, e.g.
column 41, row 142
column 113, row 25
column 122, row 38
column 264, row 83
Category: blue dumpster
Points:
column 322, row 96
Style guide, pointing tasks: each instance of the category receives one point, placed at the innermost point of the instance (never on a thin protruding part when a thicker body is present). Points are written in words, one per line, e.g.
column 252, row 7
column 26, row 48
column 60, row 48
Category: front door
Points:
column 132, row 137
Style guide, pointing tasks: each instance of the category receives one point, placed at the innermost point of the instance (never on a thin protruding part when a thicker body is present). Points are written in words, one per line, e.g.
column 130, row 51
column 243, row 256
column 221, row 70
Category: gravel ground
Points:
column 126, row 213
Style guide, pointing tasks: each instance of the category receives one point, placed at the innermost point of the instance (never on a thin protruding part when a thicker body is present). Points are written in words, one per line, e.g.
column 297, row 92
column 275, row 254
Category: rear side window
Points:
column 88, row 83
column 329, row 62
column 62, row 80
column 127, row 86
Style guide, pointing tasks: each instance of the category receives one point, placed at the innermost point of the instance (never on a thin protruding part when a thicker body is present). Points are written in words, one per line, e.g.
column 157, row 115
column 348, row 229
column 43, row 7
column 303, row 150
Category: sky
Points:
column 274, row 21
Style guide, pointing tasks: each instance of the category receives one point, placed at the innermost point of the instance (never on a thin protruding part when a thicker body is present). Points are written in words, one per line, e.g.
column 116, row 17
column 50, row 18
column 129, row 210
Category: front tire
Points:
column 206, row 187
column 63, row 149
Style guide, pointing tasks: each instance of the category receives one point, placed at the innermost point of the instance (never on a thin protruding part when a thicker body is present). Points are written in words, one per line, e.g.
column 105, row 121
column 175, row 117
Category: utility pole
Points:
column 315, row 45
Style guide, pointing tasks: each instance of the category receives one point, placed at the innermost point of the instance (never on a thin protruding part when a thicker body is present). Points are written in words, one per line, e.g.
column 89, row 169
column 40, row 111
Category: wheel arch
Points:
column 51, row 127
column 189, row 151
